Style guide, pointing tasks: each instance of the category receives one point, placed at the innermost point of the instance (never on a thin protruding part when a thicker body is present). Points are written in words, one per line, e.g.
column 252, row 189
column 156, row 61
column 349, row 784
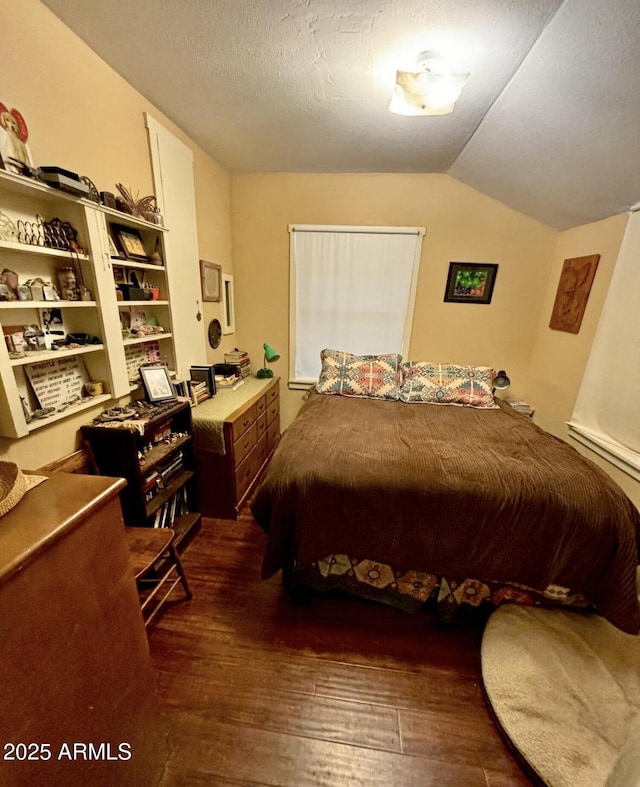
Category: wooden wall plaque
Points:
column 573, row 291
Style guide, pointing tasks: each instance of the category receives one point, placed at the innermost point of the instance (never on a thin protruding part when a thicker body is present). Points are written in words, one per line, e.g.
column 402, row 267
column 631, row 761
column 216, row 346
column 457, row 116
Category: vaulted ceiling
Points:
column 548, row 123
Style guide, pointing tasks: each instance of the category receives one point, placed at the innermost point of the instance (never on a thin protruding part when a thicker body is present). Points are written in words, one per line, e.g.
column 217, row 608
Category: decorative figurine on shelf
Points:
column 155, row 258
column 10, row 279
column 144, row 207
column 13, row 138
column 67, row 283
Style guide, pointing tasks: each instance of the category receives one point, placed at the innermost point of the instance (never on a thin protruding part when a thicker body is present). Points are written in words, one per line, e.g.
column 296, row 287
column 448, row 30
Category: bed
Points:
column 410, row 501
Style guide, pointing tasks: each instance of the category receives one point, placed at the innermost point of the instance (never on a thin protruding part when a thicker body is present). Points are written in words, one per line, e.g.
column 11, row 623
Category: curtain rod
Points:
column 357, row 230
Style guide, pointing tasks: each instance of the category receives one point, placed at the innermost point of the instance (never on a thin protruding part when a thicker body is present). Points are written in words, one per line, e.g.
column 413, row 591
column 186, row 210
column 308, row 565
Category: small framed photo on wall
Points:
column 211, row 280
column 470, row 282
column 228, row 307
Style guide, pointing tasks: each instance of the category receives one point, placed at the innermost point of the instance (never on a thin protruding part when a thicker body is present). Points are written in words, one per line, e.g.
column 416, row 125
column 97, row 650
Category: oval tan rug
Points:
column 565, row 687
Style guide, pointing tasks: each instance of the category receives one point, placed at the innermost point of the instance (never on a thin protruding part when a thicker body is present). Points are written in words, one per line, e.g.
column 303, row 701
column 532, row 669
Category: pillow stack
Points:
column 386, row 377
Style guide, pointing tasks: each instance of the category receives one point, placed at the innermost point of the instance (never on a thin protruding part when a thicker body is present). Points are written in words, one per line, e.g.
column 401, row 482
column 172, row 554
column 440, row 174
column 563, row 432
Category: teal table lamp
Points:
column 270, row 355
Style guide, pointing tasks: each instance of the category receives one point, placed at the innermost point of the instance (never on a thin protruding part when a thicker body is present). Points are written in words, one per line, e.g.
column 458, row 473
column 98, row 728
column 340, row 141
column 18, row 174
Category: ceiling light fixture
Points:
column 431, row 90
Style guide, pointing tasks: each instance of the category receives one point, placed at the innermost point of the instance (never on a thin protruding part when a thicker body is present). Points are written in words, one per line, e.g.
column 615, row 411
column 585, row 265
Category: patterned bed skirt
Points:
column 410, row 590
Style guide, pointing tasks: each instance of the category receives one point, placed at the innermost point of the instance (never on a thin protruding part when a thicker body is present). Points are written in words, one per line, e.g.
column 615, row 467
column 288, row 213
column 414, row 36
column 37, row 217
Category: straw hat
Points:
column 14, row 484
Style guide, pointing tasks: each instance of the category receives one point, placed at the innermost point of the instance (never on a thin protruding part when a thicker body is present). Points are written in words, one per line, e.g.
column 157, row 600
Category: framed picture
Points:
column 118, row 275
column 130, row 243
column 572, row 294
column 14, row 338
column 157, row 383
column 228, row 309
column 470, row 282
column 210, row 277
column 113, row 249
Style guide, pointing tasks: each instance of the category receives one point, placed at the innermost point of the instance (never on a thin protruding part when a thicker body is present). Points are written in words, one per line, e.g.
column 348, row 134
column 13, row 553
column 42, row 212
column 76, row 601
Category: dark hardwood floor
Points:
column 258, row 689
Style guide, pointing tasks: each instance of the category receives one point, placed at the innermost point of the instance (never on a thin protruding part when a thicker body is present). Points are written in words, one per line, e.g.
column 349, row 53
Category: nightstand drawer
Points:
column 261, row 406
column 243, row 422
column 245, row 443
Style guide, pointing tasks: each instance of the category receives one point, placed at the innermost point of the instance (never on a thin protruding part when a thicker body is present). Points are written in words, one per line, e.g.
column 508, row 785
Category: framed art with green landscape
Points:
column 470, row 282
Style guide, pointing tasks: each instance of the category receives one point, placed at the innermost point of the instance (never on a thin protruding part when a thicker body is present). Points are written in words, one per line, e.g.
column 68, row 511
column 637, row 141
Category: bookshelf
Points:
column 156, row 458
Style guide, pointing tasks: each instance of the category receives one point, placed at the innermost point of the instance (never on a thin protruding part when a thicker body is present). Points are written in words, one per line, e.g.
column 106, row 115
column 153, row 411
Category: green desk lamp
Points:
column 270, row 355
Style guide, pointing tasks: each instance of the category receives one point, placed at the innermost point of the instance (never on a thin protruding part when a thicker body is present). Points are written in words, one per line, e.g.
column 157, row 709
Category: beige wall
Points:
column 84, row 117
column 462, row 224
column 559, row 359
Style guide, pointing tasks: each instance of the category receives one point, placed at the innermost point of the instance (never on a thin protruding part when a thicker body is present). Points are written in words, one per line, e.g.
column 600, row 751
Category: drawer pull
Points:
column 247, row 472
column 245, row 422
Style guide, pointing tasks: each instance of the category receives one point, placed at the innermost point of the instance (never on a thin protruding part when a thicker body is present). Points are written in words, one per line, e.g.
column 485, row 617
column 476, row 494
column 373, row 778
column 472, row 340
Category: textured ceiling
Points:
column 548, row 122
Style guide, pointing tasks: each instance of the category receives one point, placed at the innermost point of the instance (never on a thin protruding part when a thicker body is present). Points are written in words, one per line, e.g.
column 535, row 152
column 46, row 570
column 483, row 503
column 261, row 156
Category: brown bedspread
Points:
column 451, row 490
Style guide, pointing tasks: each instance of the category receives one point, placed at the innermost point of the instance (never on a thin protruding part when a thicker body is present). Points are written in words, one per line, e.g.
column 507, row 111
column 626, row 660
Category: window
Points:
column 352, row 289
column 605, row 417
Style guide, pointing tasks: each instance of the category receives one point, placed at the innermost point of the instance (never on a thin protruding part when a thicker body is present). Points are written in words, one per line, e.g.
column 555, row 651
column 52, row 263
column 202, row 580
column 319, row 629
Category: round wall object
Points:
column 215, row 333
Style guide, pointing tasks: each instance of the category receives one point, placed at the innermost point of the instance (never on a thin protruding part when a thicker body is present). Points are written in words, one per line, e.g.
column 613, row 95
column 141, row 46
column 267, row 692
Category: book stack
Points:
column 150, row 485
column 228, row 383
column 175, row 506
column 199, row 391
column 521, row 406
column 239, row 359
column 204, row 372
column 169, row 471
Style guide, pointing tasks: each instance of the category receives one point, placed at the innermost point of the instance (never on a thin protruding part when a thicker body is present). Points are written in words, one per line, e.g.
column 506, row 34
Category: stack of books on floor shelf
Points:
column 176, row 506
column 239, row 359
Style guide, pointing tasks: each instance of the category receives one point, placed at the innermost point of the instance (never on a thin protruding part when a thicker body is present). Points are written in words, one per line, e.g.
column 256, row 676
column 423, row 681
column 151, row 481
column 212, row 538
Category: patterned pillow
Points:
column 446, row 383
column 371, row 376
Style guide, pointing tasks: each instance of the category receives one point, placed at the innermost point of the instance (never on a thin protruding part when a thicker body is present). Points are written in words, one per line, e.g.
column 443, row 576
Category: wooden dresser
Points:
column 75, row 658
column 228, row 467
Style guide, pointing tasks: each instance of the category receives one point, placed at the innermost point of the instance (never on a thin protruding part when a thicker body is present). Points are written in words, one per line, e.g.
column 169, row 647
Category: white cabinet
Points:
column 40, row 384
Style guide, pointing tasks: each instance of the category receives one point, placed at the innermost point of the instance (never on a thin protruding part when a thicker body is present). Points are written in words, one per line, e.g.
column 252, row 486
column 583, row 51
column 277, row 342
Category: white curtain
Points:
column 353, row 289
column 609, row 397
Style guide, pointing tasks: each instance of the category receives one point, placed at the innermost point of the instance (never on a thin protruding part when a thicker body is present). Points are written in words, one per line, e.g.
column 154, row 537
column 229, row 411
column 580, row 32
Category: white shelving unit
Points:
column 101, row 317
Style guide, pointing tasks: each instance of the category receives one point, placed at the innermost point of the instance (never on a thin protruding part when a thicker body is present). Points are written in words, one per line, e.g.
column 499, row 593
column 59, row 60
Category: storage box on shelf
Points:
column 155, row 455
